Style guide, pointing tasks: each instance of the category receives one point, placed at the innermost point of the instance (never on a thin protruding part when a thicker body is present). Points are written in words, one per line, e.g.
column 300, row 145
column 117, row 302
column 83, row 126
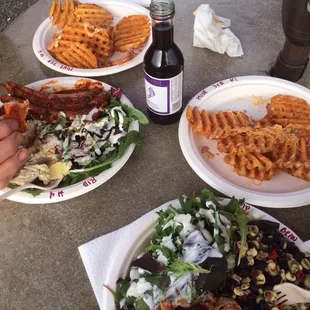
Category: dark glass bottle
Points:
column 163, row 67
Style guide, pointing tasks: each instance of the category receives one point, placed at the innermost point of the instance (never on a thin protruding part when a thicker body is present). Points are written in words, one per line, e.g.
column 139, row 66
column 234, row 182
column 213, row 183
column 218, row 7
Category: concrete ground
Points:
column 10, row 9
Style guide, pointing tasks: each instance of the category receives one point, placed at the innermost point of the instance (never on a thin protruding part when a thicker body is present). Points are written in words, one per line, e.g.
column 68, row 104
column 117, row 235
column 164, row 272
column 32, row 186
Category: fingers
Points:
column 7, row 127
column 10, row 166
column 10, row 145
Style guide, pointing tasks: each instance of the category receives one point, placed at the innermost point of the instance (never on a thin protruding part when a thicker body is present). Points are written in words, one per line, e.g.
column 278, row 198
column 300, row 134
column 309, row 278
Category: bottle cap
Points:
column 162, row 9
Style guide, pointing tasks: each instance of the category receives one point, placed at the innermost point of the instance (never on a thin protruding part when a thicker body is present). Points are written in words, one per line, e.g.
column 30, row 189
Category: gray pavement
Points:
column 11, row 9
column 40, row 267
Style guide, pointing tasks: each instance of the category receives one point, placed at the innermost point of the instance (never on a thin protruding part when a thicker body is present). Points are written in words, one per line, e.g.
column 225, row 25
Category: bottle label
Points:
column 164, row 96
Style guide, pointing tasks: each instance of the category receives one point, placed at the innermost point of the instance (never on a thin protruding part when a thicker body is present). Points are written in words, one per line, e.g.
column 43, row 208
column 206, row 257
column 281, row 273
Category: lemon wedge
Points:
column 59, row 170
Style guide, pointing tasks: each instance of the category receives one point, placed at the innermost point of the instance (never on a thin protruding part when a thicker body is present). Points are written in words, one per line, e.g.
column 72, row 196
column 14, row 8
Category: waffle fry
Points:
column 215, row 126
column 280, row 140
column 62, row 14
column 93, row 14
column 96, row 38
column 285, row 110
column 247, row 139
column 252, row 165
column 131, row 33
column 80, row 55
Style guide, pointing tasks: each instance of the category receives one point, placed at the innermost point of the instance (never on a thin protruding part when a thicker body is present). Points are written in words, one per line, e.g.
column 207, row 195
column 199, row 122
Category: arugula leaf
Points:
column 234, row 213
column 116, row 296
column 167, row 252
column 179, row 268
column 104, row 162
column 242, row 221
column 141, row 305
column 162, row 281
column 33, row 191
column 234, row 204
column 135, row 114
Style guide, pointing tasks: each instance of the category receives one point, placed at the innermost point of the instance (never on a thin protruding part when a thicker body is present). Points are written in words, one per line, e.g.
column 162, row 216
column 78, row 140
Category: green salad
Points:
column 205, row 255
column 81, row 148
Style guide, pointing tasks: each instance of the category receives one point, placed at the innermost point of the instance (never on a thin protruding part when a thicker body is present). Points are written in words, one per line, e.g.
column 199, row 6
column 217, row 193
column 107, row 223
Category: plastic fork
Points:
column 289, row 294
column 46, row 187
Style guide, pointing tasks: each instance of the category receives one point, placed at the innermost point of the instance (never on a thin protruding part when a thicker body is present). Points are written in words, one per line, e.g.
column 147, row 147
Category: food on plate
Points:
column 207, row 255
column 76, row 55
column 96, row 41
column 65, row 14
column 251, row 165
column 215, row 125
column 75, row 133
column 256, row 150
column 17, row 110
column 89, row 38
column 131, row 32
column 94, row 14
column 62, row 15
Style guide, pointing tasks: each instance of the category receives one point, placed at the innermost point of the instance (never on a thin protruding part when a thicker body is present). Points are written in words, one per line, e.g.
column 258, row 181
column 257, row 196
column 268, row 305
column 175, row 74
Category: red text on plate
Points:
column 52, row 62
column 233, row 79
column 245, row 207
column 59, row 194
column 288, row 234
column 89, row 181
column 201, row 95
column 218, row 84
column 41, row 53
column 66, row 67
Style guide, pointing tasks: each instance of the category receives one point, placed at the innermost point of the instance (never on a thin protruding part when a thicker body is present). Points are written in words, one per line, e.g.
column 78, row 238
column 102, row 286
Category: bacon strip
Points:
column 46, row 107
column 67, row 101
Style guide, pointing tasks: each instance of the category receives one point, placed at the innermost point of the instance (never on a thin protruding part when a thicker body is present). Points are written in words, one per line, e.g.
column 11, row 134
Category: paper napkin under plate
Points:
column 212, row 32
column 98, row 254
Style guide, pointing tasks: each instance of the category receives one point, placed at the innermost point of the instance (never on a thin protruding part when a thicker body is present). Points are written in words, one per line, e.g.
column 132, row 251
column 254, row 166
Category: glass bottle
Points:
column 163, row 67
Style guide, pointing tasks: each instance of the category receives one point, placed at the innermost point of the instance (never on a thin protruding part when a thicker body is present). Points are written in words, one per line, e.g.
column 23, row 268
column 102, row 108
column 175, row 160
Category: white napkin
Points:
column 211, row 31
column 98, row 254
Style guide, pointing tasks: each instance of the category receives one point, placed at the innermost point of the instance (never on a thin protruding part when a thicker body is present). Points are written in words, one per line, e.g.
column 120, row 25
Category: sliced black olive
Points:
column 149, row 263
column 213, row 280
column 263, row 305
column 282, row 262
column 292, row 248
column 267, row 226
column 253, row 288
column 232, row 282
column 244, row 273
column 260, row 264
column 226, row 292
column 299, row 256
column 272, row 280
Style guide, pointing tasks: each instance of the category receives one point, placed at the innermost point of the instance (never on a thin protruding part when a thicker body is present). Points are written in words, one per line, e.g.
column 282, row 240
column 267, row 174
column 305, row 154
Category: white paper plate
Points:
column 45, row 32
column 137, row 238
column 78, row 189
column 283, row 191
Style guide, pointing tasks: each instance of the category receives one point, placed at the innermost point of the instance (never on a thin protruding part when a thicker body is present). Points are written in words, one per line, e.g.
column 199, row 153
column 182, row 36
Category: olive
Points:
column 232, row 282
column 226, row 292
column 263, row 305
column 299, row 256
column 260, row 264
column 268, row 240
column 282, row 262
column 244, row 273
column 292, row 248
column 272, row 280
column 243, row 263
column 253, row 288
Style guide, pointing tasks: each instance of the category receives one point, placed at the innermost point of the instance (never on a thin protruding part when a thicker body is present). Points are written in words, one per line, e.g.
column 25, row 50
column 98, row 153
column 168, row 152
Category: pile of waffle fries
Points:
column 256, row 150
column 88, row 39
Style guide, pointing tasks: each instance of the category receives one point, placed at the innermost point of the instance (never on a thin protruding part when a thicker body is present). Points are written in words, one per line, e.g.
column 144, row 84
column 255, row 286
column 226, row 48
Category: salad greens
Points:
column 89, row 146
column 185, row 238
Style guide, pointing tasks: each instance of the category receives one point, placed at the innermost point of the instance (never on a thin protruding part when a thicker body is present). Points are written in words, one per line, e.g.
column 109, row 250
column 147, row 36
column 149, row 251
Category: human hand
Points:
column 12, row 157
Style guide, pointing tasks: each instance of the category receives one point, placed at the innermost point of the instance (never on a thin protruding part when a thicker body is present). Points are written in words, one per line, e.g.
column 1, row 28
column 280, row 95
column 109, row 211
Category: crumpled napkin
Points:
column 211, row 31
